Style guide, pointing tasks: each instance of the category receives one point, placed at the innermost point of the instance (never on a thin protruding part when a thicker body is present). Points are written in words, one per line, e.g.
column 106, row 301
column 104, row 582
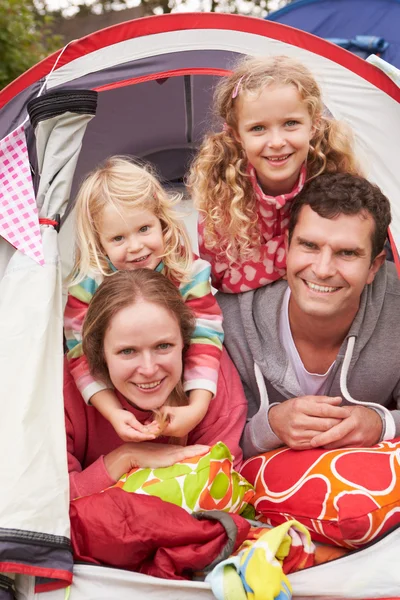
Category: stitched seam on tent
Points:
column 34, row 538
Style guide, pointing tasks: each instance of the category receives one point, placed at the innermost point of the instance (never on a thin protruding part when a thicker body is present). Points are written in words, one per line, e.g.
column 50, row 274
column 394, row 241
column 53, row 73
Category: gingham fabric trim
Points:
column 19, row 222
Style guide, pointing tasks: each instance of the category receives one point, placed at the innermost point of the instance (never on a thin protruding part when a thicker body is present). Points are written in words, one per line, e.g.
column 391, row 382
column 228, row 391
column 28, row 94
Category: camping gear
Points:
column 347, row 496
column 362, row 26
column 259, row 568
column 152, row 536
column 199, row 483
column 154, row 80
column 390, row 70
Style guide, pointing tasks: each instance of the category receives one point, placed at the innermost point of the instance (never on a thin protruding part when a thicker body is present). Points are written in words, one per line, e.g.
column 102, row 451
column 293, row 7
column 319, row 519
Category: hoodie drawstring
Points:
column 390, row 429
column 389, row 425
column 262, row 388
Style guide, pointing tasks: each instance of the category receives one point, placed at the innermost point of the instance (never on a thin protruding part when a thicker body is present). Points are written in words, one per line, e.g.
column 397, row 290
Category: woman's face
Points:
column 143, row 351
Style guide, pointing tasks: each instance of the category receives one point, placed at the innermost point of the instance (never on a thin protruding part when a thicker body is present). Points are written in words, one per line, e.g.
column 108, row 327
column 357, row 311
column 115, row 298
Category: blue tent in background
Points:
column 361, row 26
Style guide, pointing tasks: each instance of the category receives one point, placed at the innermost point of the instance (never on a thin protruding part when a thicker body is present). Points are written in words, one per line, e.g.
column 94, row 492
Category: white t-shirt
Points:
column 311, row 384
column 314, row 384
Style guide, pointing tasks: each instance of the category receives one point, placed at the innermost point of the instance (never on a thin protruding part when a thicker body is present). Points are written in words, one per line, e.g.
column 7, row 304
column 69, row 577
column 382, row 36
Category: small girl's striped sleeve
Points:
column 79, row 298
column 203, row 356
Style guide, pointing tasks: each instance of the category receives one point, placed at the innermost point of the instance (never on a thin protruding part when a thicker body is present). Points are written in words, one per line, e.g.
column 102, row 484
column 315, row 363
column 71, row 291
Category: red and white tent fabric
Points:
column 154, row 79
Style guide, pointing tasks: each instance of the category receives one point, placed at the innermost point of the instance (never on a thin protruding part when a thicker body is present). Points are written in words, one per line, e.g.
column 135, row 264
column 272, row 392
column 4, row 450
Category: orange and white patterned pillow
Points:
column 346, row 497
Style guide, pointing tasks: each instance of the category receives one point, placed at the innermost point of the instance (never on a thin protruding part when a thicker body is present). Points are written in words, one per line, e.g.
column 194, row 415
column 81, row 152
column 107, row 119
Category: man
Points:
column 319, row 354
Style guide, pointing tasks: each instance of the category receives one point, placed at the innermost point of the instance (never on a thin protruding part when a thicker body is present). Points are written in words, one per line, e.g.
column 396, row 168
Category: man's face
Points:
column 329, row 263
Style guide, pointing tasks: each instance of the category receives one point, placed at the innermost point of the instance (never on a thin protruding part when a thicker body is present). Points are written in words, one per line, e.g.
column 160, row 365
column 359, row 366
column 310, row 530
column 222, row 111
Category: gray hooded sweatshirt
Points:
column 366, row 370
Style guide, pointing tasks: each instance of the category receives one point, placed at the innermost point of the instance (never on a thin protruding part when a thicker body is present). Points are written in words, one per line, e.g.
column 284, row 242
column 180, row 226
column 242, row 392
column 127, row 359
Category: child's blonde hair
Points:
column 218, row 180
column 125, row 184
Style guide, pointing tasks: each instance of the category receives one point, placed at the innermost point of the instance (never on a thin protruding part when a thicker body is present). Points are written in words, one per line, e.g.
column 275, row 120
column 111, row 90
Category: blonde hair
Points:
column 125, row 184
column 123, row 289
column 219, row 181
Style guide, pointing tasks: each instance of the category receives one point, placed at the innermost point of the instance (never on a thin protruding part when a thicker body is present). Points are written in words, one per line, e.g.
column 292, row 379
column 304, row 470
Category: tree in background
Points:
column 25, row 38
column 256, row 8
column 27, row 26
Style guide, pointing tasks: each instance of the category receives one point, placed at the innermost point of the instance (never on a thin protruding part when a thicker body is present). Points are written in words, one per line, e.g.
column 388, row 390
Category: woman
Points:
column 134, row 337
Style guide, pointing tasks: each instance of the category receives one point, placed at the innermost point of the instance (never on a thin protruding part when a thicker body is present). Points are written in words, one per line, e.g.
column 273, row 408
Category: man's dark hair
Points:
column 334, row 194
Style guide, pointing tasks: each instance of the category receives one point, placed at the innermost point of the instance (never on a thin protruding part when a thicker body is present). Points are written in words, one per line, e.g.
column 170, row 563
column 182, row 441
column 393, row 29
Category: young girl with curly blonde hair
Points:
column 275, row 136
column 125, row 220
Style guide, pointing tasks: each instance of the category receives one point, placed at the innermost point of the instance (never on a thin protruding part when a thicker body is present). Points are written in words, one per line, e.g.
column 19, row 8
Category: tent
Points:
column 144, row 88
column 362, row 26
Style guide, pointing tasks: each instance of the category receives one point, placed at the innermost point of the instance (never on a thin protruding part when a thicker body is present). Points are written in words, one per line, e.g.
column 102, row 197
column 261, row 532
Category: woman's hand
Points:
column 148, row 454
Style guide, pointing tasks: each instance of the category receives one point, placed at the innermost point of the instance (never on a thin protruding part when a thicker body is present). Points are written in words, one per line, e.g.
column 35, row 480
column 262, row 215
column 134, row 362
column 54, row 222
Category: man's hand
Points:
column 299, row 420
column 363, row 428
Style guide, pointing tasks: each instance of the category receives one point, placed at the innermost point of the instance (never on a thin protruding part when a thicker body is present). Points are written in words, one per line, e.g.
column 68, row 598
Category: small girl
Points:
column 125, row 221
column 275, row 136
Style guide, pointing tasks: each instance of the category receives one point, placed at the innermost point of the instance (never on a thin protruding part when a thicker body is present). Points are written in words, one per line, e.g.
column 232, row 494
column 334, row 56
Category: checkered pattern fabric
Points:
column 19, row 221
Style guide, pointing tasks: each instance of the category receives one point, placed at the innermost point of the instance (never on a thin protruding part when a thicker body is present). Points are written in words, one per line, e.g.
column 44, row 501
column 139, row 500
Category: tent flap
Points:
column 34, row 511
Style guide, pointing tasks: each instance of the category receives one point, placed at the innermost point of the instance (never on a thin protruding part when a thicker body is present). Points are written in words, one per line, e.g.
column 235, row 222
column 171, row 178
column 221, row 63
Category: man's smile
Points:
column 325, row 289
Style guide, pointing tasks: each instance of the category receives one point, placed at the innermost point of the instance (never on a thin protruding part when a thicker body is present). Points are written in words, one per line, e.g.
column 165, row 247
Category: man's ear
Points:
column 376, row 265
